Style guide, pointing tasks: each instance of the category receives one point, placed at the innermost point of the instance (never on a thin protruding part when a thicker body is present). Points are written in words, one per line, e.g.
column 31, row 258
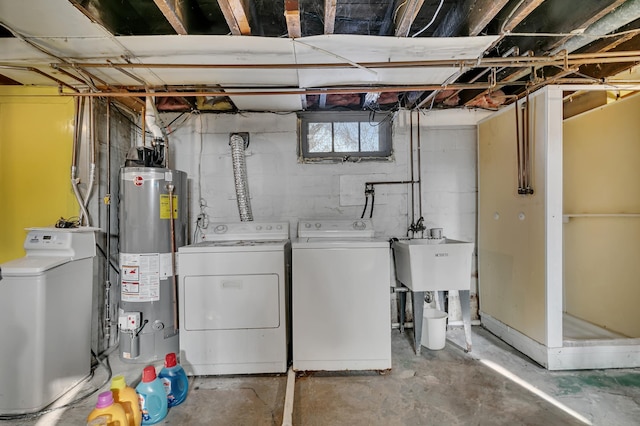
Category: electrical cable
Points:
column 366, row 202
column 35, row 414
column 72, row 222
column 435, row 15
column 373, row 199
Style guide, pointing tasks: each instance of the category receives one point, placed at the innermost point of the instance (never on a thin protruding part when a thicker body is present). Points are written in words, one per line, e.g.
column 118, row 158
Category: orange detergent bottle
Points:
column 107, row 412
column 128, row 398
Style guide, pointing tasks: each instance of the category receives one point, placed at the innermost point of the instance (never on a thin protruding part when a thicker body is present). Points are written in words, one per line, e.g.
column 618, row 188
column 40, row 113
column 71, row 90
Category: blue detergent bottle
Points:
column 174, row 379
column 153, row 399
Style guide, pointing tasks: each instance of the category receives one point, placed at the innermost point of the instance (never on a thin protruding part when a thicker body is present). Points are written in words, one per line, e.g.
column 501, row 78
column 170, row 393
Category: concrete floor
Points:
column 446, row 387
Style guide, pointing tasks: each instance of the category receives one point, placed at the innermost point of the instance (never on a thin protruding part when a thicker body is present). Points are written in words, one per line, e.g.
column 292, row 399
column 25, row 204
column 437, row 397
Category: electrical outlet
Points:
column 202, row 221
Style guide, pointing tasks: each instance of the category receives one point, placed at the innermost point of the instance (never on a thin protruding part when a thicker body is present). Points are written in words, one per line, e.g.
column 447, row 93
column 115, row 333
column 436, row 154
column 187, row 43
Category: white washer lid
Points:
column 347, row 243
column 34, row 265
column 233, row 246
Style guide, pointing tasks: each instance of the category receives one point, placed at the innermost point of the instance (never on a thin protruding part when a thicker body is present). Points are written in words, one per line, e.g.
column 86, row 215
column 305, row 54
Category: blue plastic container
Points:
column 153, row 399
column 174, row 379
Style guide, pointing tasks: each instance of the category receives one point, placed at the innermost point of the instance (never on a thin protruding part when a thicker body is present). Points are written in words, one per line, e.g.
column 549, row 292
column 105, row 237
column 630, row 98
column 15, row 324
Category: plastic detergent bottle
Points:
column 107, row 412
column 174, row 379
column 152, row 397
column 128, row 398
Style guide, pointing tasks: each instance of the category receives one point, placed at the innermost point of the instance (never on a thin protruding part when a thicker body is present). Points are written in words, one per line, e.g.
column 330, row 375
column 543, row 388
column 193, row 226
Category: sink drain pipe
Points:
column 238, row 145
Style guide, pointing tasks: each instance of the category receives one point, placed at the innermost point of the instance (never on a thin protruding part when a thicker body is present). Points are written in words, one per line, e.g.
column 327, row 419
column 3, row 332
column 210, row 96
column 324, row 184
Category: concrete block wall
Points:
column 283, row 188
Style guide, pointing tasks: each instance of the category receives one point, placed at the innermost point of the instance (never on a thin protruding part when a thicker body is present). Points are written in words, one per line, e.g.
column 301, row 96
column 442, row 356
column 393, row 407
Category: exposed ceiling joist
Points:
column 469, row 17
column 169, row 10
column 235, row 13
column 292, row 16
column 605, row 70
column 407, row 10
column 329, row 16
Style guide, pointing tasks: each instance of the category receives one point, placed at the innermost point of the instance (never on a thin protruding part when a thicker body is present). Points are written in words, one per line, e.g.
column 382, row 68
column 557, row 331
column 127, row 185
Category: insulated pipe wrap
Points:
column 240, row 177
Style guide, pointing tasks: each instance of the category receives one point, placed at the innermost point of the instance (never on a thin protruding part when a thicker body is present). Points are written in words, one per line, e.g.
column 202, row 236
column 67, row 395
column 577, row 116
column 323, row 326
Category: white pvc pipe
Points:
column 150, row 119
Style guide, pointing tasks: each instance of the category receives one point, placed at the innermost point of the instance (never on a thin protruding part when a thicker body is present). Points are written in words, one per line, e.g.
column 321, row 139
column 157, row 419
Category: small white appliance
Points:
column 233, row 297
column 341, row 300
column 45, row 312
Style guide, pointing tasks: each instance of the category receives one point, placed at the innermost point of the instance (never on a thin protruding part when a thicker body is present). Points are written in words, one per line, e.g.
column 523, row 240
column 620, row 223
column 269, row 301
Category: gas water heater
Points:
column 153, row 224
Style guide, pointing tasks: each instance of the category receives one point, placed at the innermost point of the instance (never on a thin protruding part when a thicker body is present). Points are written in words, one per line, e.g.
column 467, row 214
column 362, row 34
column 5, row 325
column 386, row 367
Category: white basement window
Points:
column 344, row 136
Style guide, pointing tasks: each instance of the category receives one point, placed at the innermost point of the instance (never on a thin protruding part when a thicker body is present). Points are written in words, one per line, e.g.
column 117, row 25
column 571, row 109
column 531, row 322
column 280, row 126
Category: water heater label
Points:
column 166, row 265
column 165, row 208
column 140, row 277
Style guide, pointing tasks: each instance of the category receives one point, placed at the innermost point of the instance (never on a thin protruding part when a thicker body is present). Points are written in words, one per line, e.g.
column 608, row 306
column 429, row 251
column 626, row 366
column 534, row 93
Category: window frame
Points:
column 384, row 122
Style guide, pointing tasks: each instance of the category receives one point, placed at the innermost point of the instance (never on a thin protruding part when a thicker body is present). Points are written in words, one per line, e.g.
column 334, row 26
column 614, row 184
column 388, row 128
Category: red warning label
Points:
column 138, row 180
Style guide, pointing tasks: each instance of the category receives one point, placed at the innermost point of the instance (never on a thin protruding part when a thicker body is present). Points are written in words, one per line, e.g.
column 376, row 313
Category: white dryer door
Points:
column 231, row 302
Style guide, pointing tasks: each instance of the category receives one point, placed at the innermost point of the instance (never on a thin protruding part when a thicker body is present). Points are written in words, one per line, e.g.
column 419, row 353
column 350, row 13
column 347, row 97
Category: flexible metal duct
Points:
column 240, row 176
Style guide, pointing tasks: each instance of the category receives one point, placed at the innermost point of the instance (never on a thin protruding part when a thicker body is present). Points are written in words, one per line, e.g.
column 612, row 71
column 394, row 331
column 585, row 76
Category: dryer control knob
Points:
column 307, row 225
column 220, row 229
column 359, row 225
column 318, row 225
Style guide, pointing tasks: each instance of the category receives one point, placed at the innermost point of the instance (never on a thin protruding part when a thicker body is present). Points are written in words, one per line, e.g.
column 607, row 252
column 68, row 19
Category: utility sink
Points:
column 433, row 264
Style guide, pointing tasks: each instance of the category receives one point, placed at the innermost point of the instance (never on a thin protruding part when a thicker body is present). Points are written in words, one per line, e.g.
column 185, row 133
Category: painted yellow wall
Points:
column 36, row 134
column 511, row 247
column 602, row 255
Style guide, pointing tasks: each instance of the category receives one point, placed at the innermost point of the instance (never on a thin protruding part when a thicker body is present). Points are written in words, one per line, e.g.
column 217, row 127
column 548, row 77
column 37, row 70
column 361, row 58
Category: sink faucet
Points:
column 418, row 226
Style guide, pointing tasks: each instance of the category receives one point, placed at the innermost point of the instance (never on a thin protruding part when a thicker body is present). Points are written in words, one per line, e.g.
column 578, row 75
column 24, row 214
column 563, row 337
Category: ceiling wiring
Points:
column 433, row 19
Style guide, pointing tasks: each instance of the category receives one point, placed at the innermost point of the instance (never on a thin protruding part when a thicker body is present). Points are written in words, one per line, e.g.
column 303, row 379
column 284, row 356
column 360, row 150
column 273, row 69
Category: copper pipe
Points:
column 520, row 61
column 127, row 73
column 344, row 90
column 170, row 187
column 42, row 73
column 91, row 76
column 70, row 75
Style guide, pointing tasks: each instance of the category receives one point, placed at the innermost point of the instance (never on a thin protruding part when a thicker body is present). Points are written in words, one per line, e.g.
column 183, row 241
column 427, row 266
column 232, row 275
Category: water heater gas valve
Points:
column 129, row 321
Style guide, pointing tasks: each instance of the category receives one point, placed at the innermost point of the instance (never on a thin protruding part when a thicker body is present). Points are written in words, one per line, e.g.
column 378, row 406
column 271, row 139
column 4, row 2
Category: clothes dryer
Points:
column 233, row 297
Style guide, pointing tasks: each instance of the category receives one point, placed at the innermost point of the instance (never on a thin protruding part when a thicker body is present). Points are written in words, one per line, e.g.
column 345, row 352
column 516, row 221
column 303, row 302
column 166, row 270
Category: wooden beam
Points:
column 520, row 14
column 329, row 16
column 469, row 17
column 407, row 12
column 168, row 9
column 235, row 13
column 482, row 12
column 292, row 16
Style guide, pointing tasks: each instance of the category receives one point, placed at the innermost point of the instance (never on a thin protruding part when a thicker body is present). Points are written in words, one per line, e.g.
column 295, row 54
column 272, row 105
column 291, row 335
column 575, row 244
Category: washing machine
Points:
column 233, row 297
column 45, row 312
column 341, row 300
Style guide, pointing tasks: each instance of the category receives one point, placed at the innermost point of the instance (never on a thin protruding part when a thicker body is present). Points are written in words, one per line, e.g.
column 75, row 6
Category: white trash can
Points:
column 434, row 329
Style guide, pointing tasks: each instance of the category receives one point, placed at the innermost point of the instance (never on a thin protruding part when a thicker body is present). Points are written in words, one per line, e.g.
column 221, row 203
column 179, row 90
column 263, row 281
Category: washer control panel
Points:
column 247, row 231
column 76, row 243
column 335, row 228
